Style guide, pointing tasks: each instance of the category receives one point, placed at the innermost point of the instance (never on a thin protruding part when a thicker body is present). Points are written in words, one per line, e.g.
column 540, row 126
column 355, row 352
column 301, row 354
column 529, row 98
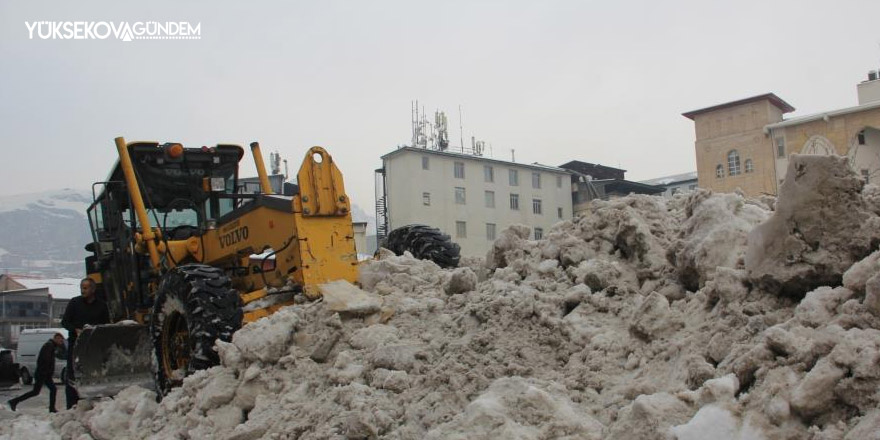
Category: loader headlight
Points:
column 174, row 151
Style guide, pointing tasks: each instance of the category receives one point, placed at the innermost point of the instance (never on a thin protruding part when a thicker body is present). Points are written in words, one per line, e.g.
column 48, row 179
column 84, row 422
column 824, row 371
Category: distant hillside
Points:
column 44, row 233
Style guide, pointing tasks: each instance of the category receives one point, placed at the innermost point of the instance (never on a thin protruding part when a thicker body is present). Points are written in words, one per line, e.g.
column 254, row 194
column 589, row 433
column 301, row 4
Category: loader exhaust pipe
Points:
column 134, row 191
column 265, row 186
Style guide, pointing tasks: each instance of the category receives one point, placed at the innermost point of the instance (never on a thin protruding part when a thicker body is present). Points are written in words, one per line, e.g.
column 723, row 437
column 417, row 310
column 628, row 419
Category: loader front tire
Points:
column 195, row 305
column 425, row 243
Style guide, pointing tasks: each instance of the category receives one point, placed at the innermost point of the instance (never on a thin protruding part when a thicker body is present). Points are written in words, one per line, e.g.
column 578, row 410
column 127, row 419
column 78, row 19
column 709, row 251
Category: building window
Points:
column 514, row 202
column 490, row 231
column 425, row 163
column 780, row 147
column 559, row 212
column 692, row 187
column 733, row 168
column 539, row 233
column 536, row 206
column 559, row 181
column 866, row 175
column 750, row 167
column 490, row 199
column 536, row 180
column 674, row 191
column 426, row 199
column 460, row 229
column 514, row 177
column 488, row 173
column 459, row 170
column 862, row 137
column 719, row 171
column 459, row 196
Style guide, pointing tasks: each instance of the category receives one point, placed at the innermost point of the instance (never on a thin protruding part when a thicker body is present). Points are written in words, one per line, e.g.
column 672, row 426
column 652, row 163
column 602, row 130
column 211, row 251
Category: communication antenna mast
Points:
column 460, row 132
column 414, row 116
column 275, row 162
column 441, row 127
column 512, row 155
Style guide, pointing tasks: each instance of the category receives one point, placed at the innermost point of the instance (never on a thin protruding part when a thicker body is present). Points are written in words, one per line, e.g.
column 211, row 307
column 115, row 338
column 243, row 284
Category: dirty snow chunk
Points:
column 269, row 338
column 346, row 368
column 126, row 416
column 396, row 357
column 521, row 409
column 820, row 305
column 815, row 393
column 719, row 390
column 342, row 296
column 649, row 417
column 821, row 226
column 868, row 427
column 463, row 280
column 27, row 427
column 395, row 269
column 219, row 390
column 397, row 381
column 654, row 318
column 373, row 336
column 599, row 274
column 511, row 239
column 872, row 295
column 715, row 235
column 858, row 275
column 717, row 423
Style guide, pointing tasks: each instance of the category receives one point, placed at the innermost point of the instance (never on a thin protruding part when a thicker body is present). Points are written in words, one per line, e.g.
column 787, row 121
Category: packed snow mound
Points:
column 821, row 226
column 589, row 333
column 714, row 234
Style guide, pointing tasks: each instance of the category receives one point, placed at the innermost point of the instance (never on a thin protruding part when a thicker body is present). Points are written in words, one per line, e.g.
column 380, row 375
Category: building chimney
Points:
column 869, row 91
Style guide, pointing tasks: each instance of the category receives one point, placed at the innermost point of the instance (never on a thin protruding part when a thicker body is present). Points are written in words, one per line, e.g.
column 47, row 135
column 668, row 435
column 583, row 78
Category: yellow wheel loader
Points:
column 182, row 257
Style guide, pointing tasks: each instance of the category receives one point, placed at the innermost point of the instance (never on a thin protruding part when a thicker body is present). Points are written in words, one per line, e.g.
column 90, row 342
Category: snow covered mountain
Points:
column 44, row 233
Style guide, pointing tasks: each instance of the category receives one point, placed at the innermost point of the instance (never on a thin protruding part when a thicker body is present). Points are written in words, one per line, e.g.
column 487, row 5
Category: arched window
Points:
column 719, row 171
column 733, row 167
column 749, row 166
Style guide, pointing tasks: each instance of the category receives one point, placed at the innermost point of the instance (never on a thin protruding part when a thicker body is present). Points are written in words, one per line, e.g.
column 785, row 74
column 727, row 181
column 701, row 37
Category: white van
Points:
column 29, row 343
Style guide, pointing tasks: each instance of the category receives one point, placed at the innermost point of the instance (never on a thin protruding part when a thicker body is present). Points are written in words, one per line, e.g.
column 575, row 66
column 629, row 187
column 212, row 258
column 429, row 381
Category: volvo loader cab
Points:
column 183, row 257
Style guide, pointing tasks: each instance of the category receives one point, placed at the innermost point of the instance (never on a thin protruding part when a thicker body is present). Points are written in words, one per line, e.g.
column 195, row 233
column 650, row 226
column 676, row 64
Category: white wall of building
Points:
column 865, row 158
column 868, row 91
column 406, row 183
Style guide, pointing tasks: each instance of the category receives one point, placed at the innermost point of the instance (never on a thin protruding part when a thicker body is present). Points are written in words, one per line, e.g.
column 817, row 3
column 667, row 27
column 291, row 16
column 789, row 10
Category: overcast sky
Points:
column 602, row 82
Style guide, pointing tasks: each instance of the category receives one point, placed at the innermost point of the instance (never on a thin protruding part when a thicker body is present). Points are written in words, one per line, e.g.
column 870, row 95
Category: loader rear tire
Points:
column 425, row 243
column 195, row 305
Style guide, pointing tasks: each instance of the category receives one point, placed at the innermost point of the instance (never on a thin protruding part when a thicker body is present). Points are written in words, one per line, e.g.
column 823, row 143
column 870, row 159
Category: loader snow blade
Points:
column 108, row 358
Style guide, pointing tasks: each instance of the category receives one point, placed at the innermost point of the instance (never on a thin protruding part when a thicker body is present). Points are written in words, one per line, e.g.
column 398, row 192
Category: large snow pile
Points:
column 637, row 321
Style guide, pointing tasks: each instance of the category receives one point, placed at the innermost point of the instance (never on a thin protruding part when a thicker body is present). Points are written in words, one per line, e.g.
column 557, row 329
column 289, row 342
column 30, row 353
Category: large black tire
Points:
column 425, row 243
column 195, row 305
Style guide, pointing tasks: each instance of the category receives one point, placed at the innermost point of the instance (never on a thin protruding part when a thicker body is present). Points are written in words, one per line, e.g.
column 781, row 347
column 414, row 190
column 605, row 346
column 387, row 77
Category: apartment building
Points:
column 470, row 197
column 745, row 144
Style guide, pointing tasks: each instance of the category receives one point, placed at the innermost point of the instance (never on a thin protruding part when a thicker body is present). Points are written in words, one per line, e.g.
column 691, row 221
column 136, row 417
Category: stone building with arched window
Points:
column 746, row 144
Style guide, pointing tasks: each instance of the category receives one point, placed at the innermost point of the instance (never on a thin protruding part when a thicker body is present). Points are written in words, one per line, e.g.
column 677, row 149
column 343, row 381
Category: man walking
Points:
column 44, row 373
column 81, row 311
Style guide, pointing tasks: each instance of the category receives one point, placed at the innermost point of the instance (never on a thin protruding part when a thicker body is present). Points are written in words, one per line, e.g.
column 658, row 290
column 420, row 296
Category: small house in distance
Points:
column 591, row 181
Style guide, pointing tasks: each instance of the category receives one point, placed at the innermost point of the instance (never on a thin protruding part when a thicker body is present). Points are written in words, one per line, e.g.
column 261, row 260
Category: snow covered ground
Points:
column 646, row 319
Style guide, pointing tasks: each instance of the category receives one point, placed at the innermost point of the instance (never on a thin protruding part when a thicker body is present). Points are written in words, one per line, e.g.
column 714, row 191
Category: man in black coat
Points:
column 81, row 311
column 44, row 373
